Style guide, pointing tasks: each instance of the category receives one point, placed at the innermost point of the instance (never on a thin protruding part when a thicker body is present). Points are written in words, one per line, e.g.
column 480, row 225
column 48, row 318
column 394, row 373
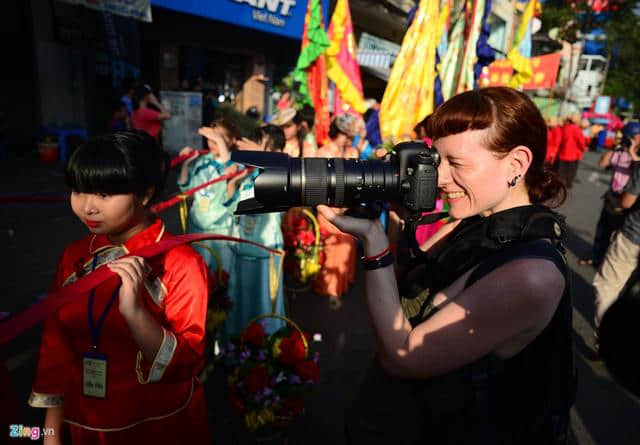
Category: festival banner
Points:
column 544, row 72
column 409, row 96
column 342, row 61
column 311, row 69
column 466, row 80
column 449, row 68
column 520, row 54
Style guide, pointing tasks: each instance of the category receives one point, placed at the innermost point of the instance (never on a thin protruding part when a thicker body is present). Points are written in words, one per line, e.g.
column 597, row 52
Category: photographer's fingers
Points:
column 327, row 212
column 354, row 226
column 380, row 153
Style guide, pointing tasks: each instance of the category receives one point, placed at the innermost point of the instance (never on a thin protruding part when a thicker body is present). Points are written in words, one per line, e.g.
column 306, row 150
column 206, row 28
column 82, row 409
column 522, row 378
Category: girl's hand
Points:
column 233, row 168
column 188, row 151
column 206, row 132
column 239, row 177
column 232, row 184
column 132, row 272
column 213, row 135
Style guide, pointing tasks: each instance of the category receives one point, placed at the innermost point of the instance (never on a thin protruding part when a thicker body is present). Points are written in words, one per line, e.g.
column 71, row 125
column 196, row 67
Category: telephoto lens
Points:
column 408, row 177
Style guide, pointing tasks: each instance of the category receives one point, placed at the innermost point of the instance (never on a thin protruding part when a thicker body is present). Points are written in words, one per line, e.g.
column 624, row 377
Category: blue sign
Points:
column 282, row 17
column 602, row 105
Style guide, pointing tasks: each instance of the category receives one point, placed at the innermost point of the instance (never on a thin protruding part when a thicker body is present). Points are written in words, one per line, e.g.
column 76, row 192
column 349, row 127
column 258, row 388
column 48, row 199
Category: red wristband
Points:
column 366, row 259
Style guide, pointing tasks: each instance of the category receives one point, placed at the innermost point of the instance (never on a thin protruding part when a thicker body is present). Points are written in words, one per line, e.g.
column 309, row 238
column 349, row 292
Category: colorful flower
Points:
column 258, row 379
column 308, row 371
column 300, row 224
column 269, row 375
column 292, row 349
column 290, row 239
column 307, row 238
column 255, row 334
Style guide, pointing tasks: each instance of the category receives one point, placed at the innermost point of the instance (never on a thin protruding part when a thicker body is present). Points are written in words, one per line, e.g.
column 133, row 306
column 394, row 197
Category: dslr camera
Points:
column 408, row 176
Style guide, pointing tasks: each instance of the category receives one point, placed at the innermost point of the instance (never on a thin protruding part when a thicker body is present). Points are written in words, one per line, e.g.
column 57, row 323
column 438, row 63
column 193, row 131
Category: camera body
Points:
column 418, row 168
column 409, row 176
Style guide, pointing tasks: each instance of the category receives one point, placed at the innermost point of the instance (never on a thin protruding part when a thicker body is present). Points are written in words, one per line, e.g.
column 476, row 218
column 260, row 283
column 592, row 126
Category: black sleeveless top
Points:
column 521, row 400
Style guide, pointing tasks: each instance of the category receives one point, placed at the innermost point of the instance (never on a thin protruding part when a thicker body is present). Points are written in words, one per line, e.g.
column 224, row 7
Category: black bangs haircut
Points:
column 118, row 163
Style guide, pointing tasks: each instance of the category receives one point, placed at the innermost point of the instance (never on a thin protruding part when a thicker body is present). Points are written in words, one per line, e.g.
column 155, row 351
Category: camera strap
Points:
column 409, row 244
column 475, row 239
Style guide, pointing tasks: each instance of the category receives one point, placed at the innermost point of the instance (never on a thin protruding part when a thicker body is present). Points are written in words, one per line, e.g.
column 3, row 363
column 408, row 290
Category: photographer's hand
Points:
column 370, row 231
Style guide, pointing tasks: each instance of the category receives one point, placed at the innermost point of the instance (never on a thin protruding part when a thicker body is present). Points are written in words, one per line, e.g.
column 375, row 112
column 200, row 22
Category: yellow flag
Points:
column 409, row 95
column 522, row 70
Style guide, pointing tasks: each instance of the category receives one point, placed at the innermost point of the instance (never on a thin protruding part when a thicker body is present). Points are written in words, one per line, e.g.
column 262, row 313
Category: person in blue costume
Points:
column 255, row 284
column 213, row 206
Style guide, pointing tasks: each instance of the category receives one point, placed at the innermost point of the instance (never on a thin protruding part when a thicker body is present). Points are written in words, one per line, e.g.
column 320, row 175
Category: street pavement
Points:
column 33, row 235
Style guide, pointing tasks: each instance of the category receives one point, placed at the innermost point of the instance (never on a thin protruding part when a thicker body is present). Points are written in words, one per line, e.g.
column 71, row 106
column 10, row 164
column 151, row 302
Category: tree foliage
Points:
column 558, row 14
column 623, row 41
column 622, row 28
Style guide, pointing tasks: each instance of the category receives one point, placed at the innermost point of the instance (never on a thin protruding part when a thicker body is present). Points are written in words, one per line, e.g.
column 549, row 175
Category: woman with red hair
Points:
column 475, row 341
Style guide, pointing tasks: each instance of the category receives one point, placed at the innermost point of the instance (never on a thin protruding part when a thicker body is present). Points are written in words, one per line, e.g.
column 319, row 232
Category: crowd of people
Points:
column 615, row 247
column 452, row 347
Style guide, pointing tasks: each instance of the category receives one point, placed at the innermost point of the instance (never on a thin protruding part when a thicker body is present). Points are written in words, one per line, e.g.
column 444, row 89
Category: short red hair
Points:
column 511, row 119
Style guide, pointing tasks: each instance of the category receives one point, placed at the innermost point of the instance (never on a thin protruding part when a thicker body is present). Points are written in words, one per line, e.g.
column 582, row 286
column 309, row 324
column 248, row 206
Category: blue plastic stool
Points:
column 63, row 134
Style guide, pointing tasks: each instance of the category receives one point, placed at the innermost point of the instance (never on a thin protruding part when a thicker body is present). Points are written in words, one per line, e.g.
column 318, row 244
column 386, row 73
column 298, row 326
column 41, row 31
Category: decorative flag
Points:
column 544, row 72
column 485, row 54
column 520, row 53
column 443, row 26
column 311, row 69
column 466, row 81
column 409, row 95
column 342, row 61
column 450, row 67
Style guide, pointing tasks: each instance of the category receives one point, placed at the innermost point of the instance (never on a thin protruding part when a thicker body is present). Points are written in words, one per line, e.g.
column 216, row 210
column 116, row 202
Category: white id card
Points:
column 94, row 375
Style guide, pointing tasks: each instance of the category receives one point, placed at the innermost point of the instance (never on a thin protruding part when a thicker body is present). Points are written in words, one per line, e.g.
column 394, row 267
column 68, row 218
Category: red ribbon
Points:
column 161, row 206
column 28, row 318
column 181, row 158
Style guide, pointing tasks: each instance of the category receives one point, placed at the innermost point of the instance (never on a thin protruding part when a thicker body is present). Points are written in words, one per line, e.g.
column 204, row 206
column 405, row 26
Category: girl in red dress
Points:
column 120, row 365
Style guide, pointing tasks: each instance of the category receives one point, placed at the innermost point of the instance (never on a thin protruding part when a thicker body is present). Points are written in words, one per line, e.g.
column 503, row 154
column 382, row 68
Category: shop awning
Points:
column 282, row 17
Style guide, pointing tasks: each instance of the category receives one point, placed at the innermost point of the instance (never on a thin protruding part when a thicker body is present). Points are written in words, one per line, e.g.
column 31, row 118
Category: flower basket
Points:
column 303, row 247
column 270, row 376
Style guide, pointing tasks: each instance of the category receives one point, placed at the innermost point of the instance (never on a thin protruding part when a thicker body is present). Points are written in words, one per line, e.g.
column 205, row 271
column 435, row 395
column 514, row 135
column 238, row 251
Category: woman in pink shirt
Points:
column 612, row 214
column 147, row 118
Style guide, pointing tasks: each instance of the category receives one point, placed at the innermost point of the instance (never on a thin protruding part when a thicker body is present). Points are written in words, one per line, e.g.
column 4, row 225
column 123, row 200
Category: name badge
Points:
column 95, row 375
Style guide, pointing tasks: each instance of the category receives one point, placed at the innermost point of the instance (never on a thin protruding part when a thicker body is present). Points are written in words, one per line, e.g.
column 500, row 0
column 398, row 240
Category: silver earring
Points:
column 513, row 182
